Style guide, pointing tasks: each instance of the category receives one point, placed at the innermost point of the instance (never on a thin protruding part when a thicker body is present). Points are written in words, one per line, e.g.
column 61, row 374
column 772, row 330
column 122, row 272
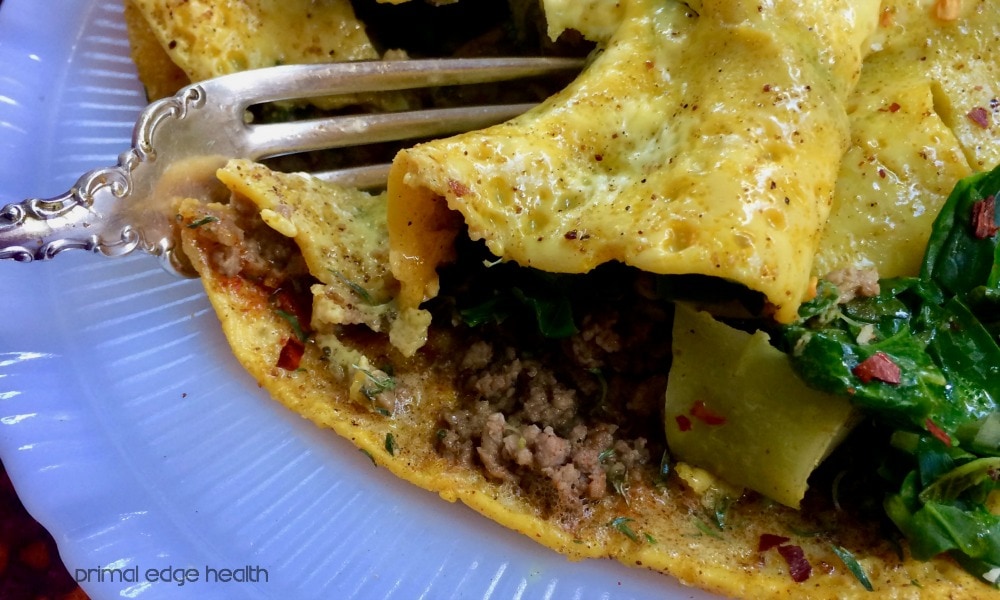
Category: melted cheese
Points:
column 719, row 160
column 911, row 136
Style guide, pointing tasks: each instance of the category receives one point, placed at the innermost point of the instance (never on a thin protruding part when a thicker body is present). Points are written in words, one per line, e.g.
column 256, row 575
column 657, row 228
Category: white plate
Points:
column 135, row 438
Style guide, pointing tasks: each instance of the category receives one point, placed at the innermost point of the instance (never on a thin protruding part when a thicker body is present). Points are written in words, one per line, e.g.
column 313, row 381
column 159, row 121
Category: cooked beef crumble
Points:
column 242, row 244
column 570, row 420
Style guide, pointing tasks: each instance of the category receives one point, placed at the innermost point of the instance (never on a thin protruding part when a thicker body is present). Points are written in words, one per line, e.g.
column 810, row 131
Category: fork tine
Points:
column 205, row 122
column 304, row 81
column 274, row 139
column 368, row 177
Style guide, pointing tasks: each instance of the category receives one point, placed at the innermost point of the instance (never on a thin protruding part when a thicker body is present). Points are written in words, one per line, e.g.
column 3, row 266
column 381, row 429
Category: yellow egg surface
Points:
column 659, row 523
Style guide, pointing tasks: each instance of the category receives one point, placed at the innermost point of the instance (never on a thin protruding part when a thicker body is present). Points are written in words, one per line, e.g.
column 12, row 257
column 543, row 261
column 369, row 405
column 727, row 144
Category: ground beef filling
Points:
column 569, row 421
column 240, row 244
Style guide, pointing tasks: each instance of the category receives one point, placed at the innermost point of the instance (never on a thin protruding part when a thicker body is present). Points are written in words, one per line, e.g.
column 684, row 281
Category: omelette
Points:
column 503, row 324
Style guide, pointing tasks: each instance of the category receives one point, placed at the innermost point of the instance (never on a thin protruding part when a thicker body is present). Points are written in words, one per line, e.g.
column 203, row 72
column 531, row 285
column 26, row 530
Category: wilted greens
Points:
column 922, row 357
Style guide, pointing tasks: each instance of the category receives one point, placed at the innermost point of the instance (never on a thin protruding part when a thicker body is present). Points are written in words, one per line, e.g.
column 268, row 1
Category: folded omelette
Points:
column 498, row 326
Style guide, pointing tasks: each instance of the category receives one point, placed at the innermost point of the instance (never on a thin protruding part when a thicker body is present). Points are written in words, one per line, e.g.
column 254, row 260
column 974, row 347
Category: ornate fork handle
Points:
column 179, row 142
column 110, row 211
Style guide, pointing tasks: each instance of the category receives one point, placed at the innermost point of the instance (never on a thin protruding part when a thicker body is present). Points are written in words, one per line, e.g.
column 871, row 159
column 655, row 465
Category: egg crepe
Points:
column 316, row 297
column 912, row 136
column 719, row 161
column 176, row 42
column 663, row 523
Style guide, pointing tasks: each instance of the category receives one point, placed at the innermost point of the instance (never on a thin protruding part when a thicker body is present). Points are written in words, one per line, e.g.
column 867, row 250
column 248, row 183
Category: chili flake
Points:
column 706, row 415
column 770, row 540
column 798, row 566
column 291, row 354
column 980, row 116
column 937, row 432
column 457, row 187
column 984, row 218
column 683, row 423
column 879, row 367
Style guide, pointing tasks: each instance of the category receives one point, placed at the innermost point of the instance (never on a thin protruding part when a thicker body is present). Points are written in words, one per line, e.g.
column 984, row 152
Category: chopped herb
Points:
column 721, row 511
column 357, row 289
column 619, row 481
column 296, row 325
column 378, row 382
column 622, row 525
column 649, row 539
column 664, row 473
column 706, row 529
column 606, row 455
column 853, row 566
column 202, row 221
column 390, row 444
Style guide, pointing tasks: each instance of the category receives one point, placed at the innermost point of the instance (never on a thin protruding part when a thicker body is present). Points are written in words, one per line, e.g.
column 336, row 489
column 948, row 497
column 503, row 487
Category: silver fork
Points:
column 178, row 142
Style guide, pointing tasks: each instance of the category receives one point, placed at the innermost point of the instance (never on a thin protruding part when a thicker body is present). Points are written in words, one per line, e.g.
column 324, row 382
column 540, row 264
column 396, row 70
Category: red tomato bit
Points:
column 770, row 540
column 984, row 218
column 291, row 354
column 798, row 566
column 705, row 414
column 879, row 367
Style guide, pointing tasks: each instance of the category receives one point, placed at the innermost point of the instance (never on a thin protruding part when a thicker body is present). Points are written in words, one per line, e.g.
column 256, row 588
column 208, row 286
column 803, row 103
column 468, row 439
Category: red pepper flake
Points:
column 683, row 423
column 984, row 218
column 770, row 540
column 705, row 414
column 879, row 367
column 291, row 354
column 937, row 432
column 798, row 566
column 894, row 107
column 980, row 116
column 457, row 187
